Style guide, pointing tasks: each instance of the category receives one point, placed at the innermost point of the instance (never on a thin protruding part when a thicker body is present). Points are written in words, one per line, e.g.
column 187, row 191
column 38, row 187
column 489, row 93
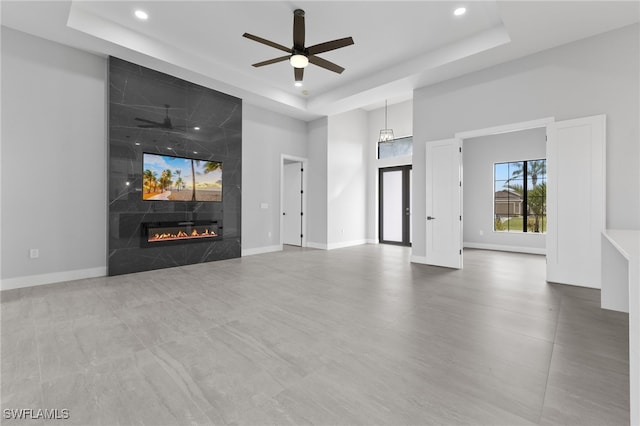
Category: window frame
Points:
column 399, row 156
column 524, row 205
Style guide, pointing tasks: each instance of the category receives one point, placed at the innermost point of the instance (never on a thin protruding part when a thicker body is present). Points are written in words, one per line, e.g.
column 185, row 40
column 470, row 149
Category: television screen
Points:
column 167, row 178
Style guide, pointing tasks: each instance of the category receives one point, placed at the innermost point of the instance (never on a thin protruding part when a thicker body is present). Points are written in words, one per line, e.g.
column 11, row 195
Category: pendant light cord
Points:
column 385, row 114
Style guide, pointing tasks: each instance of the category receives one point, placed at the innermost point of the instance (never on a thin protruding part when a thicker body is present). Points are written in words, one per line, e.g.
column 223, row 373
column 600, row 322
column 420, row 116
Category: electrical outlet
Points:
column 34, row 253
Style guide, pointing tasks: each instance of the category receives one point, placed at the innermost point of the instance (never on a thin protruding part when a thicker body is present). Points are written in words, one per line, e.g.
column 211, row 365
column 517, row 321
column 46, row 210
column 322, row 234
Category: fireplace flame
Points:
column 179, row 235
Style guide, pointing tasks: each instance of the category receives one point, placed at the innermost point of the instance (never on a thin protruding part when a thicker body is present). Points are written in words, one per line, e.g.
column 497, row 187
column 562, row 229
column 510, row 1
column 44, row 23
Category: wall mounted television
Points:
column 170, row 178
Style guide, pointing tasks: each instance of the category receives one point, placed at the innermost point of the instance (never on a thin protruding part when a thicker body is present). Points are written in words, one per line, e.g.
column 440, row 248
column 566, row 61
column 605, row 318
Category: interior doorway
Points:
column 292, row 201
column 395, row 184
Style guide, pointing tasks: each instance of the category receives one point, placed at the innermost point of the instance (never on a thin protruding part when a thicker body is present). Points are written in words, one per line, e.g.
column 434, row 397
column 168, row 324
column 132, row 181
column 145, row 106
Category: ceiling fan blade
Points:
column 323, row 63
column 155, row 123
column 330, row 45
column 272, row 61
column 298, row 73
column 298, row 29
column 267, row 42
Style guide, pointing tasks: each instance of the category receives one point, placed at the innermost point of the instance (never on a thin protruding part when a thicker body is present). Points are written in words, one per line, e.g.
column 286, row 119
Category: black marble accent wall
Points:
column 152, row 112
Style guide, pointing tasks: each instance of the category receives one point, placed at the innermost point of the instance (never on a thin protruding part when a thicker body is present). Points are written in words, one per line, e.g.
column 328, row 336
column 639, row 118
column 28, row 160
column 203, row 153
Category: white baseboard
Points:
column 260, row 250
column 54, row 277
column 499, row 247
column 373, row 242
column 333, row 246
column 319, row 246
column 345, row 244
column 418, row 259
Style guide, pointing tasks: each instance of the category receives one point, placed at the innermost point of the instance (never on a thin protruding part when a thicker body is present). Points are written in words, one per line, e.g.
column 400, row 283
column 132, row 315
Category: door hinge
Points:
column 461, row 252
column 460, row 149
column 301, row 191
column 301, row 213
column 301, row 235
column 461, row 218
column 460, row 184
column 302, row 170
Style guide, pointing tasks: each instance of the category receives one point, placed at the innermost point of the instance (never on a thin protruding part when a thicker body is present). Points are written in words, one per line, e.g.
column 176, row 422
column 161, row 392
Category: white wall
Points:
column 598, row 75
column 400, row 119
column 347, row 179
column 317, row 207
column 54, row 161
column 266, row 135
column 478, row 158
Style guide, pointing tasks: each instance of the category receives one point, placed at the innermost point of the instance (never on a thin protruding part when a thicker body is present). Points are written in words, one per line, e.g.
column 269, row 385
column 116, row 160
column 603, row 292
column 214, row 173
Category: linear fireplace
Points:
column 165, row 233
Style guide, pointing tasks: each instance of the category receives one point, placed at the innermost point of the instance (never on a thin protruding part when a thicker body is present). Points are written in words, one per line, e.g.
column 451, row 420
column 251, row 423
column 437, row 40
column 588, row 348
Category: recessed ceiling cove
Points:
column 400, row 45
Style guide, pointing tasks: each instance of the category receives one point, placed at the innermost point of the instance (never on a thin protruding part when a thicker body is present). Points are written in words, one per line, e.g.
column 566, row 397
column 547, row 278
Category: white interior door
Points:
column 575, row 200
column 292, row 204
column 443, row 203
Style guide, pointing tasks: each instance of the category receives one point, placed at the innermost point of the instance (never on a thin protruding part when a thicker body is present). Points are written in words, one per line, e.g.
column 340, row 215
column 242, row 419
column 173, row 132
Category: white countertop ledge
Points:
column 627, row 241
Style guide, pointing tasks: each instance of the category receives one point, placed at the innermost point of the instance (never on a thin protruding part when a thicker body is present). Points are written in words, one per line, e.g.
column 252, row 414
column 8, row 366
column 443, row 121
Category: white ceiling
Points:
column 399, row 45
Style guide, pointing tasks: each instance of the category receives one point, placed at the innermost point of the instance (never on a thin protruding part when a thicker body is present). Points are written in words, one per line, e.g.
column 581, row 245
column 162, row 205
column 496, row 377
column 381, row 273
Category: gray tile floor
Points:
column 350, row 336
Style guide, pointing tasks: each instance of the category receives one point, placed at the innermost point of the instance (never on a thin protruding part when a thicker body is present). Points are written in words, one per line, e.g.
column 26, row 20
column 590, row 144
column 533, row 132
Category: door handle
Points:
column 430, row 217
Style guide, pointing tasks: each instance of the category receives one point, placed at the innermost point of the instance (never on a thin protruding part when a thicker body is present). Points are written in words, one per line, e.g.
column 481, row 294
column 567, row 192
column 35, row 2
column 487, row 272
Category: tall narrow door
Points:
column 444, row 203
column 292, row 204
column 575, row 200
column 395, row 205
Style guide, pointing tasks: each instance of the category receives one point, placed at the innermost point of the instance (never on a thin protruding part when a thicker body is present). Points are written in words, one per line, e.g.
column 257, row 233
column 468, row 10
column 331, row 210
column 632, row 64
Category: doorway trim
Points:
column 544, row 122
column 304, row 161
column 506, row 128
column 487, row 131
column 406, row 170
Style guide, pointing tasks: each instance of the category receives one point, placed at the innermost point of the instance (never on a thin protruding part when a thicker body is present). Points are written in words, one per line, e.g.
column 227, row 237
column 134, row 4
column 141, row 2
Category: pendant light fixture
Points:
column 386, row 134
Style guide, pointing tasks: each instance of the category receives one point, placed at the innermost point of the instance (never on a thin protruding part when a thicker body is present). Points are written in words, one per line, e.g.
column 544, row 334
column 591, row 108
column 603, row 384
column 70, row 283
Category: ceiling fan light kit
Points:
column 298, row 61
column 300, row 56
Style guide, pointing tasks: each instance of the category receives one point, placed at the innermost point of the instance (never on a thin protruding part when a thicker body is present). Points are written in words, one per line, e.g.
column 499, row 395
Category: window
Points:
column 398, row 148
column 520, row 196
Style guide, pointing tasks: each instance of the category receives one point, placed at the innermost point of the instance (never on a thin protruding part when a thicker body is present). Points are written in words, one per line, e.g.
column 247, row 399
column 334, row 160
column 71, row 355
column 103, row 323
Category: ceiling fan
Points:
column 165, row 124
column 300, row 56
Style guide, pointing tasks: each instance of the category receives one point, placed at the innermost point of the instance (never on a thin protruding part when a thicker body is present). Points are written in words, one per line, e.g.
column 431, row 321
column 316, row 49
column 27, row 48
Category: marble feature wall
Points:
column 152, row 112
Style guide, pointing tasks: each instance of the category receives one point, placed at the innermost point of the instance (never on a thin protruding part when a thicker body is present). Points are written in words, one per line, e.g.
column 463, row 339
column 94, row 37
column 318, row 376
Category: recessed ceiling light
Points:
column 141, row 14
column 460, row 11
column 196, row 128
column 169, row 148
column 195, row 152
column 137, row 143
column 298, row 84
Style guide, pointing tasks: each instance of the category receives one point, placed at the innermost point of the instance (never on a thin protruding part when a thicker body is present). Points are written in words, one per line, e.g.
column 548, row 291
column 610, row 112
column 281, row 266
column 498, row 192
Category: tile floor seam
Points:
column 115, row 314
column 168, row 375
column 553, row 347
column 38, row 356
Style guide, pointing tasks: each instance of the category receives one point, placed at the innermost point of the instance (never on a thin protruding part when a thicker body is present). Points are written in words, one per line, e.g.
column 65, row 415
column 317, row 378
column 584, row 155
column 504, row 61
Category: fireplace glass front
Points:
column 157, row 233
